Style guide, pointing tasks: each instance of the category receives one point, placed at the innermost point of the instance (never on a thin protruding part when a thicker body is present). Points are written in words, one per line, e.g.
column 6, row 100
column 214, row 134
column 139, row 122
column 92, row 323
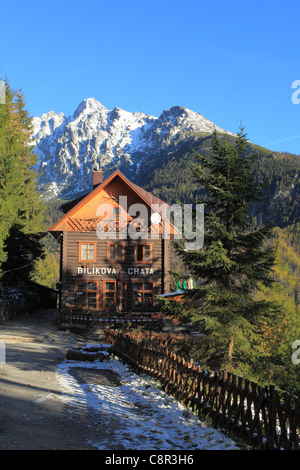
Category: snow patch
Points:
column 141, row 415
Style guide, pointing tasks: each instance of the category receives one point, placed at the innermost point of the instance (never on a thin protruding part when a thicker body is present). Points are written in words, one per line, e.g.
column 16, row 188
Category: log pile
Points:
column 88, row 353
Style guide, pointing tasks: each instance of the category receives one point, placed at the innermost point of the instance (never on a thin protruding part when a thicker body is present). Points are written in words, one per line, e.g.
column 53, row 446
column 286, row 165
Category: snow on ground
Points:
column 141, row 416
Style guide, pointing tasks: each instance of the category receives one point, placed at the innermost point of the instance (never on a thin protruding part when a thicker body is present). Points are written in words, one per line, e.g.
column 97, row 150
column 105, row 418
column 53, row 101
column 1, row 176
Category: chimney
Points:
column 97, row 177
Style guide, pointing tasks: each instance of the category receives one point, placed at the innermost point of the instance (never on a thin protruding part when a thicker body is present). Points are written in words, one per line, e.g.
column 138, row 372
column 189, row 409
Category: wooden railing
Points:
column 71, row 318
column 258, row 416
column 113, row 225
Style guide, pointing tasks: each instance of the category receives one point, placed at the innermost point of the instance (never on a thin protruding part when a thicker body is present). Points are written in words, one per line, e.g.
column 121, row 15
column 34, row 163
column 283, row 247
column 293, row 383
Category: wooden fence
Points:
column 258, row 416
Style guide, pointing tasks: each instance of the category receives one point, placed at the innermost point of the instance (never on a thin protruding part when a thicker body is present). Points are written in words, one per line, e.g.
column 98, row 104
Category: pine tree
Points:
column 234, row 261
column 21, row 210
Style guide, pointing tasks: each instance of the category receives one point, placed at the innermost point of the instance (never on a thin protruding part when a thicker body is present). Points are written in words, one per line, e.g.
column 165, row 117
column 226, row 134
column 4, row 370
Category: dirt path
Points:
column 48, row 403
column 32, row 414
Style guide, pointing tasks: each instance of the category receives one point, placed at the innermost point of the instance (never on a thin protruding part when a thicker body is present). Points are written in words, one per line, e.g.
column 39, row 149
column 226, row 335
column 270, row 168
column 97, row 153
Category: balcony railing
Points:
column 111, row 226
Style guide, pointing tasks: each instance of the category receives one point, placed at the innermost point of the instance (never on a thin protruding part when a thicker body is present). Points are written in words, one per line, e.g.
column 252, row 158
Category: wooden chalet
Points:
column 104, row 272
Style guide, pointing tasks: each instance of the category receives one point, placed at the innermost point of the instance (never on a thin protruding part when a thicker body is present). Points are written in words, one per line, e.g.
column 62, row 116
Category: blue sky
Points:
column 231, row 61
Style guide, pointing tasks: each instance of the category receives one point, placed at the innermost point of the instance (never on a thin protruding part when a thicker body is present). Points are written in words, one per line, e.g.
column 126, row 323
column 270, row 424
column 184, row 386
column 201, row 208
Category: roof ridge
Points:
column 147, row 197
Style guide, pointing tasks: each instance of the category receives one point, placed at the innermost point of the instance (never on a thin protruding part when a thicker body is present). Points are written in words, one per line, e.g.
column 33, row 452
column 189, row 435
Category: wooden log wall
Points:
column 160, row 266
column 258, row 416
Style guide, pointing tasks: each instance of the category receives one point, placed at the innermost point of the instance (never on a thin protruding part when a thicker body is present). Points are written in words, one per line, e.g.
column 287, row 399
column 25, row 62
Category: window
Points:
column 87, row 252
column 86, row 295
column 109, row 295
column 143, row 295
column 143, row 253
column 115, row 252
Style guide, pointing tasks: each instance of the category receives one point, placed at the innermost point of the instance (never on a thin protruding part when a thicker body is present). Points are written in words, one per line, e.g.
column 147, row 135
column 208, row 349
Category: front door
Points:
column 114, row 296
column 109, row 296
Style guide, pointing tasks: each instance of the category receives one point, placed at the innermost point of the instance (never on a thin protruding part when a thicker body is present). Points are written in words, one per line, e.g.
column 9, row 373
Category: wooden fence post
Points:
column 272, row 417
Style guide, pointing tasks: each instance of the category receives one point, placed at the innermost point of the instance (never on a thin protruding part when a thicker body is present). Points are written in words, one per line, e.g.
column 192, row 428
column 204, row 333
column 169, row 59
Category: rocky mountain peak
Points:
column 69, row 147
column 88, row 106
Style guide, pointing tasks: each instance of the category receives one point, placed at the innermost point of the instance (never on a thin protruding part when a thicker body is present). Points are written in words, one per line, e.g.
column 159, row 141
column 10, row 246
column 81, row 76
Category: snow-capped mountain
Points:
column 68, row 148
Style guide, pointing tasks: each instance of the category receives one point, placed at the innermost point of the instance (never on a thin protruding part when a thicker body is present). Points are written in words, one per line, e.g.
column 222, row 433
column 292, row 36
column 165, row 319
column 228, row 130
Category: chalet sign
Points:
column 140, row 271
column 93, row 270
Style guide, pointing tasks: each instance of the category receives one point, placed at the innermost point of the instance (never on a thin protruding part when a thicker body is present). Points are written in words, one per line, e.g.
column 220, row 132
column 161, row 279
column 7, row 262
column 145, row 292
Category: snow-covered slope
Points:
column 68, row 148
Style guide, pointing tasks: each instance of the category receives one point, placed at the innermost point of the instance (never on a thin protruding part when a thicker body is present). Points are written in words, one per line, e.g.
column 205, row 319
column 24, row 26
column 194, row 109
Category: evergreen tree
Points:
column 21, row 211
column 8, row 171
column 234, row 262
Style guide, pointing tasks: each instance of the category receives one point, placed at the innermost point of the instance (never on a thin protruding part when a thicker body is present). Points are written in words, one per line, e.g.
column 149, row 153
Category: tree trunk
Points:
column 230, row 350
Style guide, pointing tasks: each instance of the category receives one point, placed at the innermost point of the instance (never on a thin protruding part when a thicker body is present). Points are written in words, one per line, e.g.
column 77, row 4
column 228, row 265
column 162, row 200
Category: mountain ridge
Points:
column 68, row 147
